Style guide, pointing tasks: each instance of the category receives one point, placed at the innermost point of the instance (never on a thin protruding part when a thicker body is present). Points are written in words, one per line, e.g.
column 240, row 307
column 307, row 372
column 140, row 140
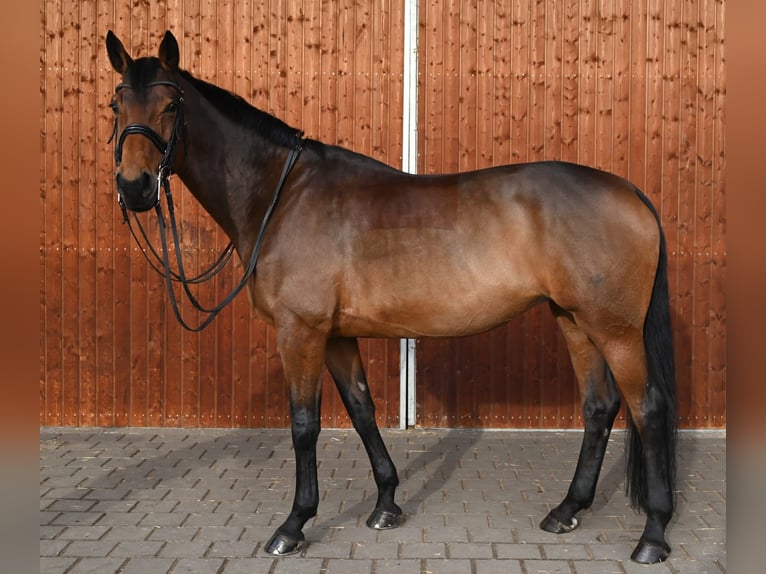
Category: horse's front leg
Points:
column 302, row 352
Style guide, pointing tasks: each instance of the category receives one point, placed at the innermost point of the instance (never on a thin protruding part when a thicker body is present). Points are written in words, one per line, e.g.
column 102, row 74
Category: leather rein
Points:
column 162, row 263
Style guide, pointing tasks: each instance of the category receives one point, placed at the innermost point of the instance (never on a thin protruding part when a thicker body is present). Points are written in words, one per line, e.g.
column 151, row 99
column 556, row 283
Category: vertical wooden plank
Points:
column 552, row 70
column 53, row 195
column 503, row 74
column 604, row 85
column 345, row 93
column 694, row 211
column 328, row 71
column 451, row 70
column 484, row 46
column 466, row 131
column 431, row 88
column 311, row 67
column 621, row 86
column 86, row 240
column 70, row 221
column 105, row 229
column 588, row 74
column 698, row 96
column 361, row 58
column 570, row 81
column 673, row 202
column 292, row 109
column 378, row 81
column 638, row 93
column 717, row 386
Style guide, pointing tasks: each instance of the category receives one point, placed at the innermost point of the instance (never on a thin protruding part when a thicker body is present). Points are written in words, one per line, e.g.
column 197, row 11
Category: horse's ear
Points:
column 169, row 52
column 117, row 55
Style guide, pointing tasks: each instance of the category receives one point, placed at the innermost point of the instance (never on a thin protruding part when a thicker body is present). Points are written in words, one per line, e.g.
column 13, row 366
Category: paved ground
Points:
column 205, row 501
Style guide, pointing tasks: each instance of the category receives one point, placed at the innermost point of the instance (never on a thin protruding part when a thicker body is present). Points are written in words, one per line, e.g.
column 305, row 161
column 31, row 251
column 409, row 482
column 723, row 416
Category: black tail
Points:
column 661, row 386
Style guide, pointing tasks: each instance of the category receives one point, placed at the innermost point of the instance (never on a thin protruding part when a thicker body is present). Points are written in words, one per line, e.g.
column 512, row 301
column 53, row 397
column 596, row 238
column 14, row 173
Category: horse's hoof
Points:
column 384, row 519
column 650, row 553
column 282, row 545
column 556, row 526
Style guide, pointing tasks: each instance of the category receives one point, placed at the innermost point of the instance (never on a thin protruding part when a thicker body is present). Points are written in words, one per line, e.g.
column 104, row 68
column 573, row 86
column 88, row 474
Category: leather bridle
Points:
column 166, row 148
column 168, row 151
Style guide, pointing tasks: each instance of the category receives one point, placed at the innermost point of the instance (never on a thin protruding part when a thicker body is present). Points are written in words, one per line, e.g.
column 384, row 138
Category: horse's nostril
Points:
column 137, row 194
column 142, row 183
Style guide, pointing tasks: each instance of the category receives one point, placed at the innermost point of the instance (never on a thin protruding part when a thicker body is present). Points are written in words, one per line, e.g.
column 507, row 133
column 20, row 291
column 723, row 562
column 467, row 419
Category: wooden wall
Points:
column 635, row 87
column 632, row 87
column 111, row 351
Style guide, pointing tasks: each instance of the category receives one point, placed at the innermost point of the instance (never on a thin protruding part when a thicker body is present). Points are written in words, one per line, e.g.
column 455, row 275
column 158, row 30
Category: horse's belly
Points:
column 434, row 313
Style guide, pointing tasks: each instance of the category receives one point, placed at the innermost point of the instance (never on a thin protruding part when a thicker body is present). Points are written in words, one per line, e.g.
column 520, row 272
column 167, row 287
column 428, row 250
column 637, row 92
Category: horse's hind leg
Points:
column 601, row 402
column 650, row 448
column 345, row 365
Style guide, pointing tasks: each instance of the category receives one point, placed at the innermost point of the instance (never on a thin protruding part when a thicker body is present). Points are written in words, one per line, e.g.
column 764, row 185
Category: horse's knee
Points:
column 305, row 426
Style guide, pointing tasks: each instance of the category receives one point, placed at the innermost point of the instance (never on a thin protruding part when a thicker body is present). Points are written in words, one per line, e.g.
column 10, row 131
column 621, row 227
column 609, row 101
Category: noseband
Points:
column 166, row 148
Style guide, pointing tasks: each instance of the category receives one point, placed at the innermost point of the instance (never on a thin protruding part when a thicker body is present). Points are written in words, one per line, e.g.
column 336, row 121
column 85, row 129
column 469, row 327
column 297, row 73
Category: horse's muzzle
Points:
column 138, row 194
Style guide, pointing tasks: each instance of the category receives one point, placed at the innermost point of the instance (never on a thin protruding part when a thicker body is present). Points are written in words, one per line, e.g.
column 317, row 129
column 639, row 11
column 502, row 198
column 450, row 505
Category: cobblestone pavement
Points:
column 205, row 501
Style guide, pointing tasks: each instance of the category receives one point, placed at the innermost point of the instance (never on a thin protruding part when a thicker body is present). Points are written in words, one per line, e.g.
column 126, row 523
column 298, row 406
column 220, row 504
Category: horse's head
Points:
column 148, row 109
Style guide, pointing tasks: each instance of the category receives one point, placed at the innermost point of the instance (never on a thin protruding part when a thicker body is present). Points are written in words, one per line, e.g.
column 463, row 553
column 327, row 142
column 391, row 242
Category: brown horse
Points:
column 355, row 248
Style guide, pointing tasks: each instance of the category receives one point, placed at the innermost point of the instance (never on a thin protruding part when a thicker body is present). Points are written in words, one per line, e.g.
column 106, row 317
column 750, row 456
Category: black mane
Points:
column 238, row 110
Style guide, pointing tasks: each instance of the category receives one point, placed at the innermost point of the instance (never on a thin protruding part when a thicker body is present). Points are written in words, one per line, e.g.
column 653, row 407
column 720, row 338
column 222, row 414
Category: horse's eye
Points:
column 172, row 108
column 115, row 108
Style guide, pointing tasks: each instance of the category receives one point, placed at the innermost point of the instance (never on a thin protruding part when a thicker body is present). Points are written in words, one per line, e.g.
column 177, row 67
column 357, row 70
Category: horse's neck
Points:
column 229, row 172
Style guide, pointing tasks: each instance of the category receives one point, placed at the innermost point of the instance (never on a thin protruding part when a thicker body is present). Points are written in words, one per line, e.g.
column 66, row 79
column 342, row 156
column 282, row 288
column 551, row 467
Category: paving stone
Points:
column 53, row 547
column 248, row 566
column 198, row 566
column 376, row 550
column 518, row 551
column 136, row 549
column 148, row 566
column 122, row 533
column 447, row 566
column 97, row 565
column 410, row 566
column 232, row 549
column 499, row 567
column 423, row 550
column 55, row 565
column 84, row 532
column 565, row 552
column 89, row 548
column 180, row 533
column 295, row 565
column 470, row 550
column 183, row 549
column 547, row 567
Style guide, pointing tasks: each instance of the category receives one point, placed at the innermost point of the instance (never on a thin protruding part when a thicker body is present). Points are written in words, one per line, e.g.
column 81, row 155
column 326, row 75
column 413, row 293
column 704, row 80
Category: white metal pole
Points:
column 410, row 165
